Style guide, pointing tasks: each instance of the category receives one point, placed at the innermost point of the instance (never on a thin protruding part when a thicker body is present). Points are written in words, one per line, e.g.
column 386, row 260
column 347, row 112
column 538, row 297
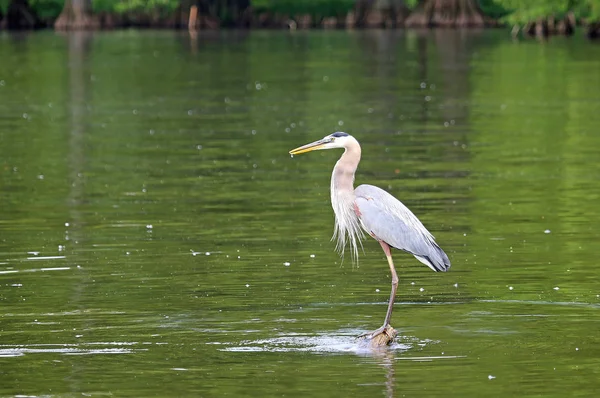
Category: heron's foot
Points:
column 380, row 337
column 370, row 335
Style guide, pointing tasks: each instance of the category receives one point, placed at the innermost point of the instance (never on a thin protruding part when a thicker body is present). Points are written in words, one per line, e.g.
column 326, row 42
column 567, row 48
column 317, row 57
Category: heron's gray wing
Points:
column 387, row 219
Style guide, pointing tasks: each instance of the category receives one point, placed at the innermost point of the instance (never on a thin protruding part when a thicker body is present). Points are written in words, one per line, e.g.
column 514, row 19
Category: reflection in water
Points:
column 342, row 342
column 76, row 110
column 148, row 210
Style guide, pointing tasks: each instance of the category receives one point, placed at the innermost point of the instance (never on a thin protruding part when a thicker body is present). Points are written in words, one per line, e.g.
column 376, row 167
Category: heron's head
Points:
column 331, row 141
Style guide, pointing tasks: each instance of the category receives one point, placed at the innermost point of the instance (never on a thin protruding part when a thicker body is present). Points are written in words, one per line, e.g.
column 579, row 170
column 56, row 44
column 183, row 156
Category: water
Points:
column 156, row 238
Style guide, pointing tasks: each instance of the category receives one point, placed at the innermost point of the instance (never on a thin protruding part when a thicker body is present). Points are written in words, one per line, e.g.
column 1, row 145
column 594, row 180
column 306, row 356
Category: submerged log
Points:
column 382, row 339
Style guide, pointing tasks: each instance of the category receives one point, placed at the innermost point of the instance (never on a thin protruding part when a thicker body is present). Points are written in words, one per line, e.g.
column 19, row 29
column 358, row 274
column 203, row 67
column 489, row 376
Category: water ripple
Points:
column 340, row 342
column 68, row 349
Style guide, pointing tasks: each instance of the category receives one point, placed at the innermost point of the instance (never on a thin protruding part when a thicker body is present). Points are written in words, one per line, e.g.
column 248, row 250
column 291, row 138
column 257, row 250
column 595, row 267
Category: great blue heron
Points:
column 379, row 214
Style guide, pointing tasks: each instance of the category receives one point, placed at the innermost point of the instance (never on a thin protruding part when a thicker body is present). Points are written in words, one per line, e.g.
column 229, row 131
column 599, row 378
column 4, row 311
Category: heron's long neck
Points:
column 347, row 224
column 342, row 179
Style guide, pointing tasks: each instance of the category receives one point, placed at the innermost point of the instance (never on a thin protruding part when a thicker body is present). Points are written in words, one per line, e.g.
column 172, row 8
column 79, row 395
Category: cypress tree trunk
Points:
column 377, row 13
column 454, row 13
column 76, row 15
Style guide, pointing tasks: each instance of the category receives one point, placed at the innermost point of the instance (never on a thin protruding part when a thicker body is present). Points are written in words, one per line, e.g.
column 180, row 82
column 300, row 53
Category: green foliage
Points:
column 493, row 9
column 47, row 9
column 104, row 5
column 591, row 10
column 522, row 11
column 322, row 8
column 4, row 6
column 135, row 6
column 528, row 11
column 44, row 9
column 510, row 11
column 161, row 6
column 411, row 4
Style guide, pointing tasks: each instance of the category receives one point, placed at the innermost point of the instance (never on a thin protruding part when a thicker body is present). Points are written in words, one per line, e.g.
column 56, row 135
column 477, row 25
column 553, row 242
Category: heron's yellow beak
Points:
column 313, row 146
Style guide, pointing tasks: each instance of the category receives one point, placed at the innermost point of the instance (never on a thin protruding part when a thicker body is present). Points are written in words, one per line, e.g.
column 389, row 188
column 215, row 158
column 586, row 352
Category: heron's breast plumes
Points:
column 347, row 224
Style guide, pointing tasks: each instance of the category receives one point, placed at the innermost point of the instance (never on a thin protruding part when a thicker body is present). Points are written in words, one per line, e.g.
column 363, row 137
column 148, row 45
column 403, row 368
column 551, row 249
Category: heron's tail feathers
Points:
column 436, row 259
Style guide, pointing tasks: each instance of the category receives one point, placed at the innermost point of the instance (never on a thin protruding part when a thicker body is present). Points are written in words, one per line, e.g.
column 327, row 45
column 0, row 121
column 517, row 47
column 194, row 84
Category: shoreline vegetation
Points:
column 540, row 18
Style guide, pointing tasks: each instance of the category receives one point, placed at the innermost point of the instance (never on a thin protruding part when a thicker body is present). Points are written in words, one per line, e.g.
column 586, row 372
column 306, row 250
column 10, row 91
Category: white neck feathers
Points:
column 347, row 224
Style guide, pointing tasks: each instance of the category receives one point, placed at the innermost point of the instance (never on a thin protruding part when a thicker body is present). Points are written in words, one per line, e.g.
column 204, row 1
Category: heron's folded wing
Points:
column 386, row 218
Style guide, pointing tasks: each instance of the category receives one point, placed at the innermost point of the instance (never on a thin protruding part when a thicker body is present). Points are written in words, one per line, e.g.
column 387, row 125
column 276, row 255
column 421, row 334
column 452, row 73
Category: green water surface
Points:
column 156, row 239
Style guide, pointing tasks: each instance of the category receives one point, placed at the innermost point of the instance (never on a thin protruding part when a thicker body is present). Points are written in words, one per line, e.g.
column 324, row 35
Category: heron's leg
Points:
column 386, row 250
column 388, row 315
